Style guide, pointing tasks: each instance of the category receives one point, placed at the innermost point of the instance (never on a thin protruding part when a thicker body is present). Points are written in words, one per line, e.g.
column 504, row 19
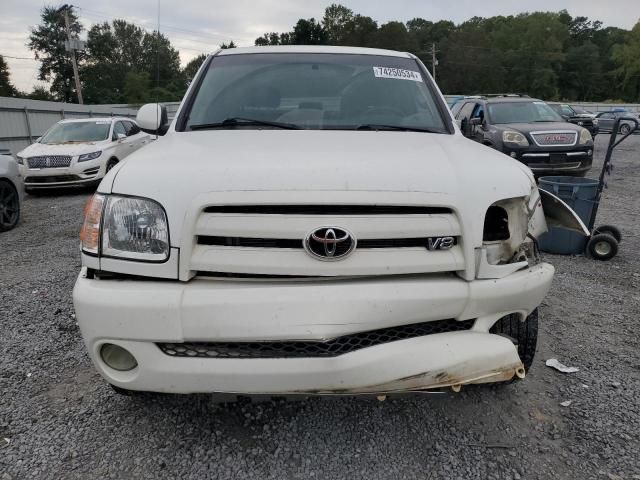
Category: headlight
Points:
column 89, row 156
column 130, row 228
column 585, row 136
column 20, row 160
column 595, row 121
column 510, row 136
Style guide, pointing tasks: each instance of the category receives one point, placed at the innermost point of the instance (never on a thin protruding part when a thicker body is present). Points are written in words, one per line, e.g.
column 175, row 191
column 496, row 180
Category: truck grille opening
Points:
column 327, row 209
column 298, row 243
column 312, row 349
column 496, row 224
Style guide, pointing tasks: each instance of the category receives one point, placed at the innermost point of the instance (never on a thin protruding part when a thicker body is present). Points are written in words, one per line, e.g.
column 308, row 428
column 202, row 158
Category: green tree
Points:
column 627, row 56
column 136, row 87
column 308, row 32
column 47, row 42
column 121, row 53
column 224, row 46
column 40, row 93
column 394, row 36
column 6, row 87
column 335, row 23
column 192, row 67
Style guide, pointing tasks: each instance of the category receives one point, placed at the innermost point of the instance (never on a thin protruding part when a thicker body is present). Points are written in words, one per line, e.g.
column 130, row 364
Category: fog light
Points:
column 513, row 154
column 117, row 357
column 589, row 152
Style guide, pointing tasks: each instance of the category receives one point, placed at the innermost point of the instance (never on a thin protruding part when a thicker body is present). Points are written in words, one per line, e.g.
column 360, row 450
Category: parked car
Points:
column 320, row 226
column 607, row 119
column 569, row 114
column 527, row 130
column 79, row 152
column 11, row 192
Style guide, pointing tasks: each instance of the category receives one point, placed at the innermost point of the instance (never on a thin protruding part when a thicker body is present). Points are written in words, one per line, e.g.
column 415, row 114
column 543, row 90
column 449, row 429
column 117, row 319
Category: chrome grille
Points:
column 49, row 161
column 310, row 349
column 555, row 138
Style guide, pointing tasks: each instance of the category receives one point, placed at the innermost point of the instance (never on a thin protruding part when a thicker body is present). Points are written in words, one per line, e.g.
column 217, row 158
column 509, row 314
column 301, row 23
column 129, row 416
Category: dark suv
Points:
column 528, row 130
column 568, row 113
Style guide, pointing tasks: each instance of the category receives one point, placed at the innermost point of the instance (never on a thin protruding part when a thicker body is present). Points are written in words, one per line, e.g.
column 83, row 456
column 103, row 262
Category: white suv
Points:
column 79, row 152
column 313, row 222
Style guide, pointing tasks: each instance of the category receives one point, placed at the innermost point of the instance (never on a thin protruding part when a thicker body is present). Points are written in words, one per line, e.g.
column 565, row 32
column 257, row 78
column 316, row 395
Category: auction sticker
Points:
column 399, row 73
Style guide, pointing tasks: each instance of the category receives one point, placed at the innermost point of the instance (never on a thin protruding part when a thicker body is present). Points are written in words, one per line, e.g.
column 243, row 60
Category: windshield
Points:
column 522, row 112
column 77, row 132
column 314, row 91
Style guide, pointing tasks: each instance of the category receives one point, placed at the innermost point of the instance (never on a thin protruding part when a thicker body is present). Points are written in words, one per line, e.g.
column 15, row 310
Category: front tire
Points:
column 524, row 334
column 111, row 163
column 9, row 206
column 624, row 128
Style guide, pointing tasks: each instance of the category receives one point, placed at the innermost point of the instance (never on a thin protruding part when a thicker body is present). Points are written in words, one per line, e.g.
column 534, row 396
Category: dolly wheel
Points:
column 609, row 230
column 602, row 247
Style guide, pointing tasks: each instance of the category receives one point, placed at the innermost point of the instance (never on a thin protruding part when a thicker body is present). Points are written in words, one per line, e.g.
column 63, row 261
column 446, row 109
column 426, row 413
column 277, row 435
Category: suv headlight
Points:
column 511, row 136
column 20, row 160
column 130, row 228
column 595, row 121
column 89, row 156
column 585, row 136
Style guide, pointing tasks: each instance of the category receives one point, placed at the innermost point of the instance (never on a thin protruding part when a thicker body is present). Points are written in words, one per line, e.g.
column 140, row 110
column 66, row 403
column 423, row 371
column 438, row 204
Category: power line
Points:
column 19, row 58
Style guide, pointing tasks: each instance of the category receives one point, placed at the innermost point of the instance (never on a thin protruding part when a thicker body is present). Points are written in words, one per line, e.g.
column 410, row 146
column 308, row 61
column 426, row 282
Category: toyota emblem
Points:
column 329, row 243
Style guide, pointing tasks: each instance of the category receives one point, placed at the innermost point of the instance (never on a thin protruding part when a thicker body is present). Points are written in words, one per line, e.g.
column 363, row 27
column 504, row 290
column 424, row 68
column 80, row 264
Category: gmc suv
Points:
column 312, row 222
column 527, row 130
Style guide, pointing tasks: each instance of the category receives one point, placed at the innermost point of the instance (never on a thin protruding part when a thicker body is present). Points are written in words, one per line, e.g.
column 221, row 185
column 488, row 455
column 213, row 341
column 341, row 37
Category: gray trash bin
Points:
column 580, row 194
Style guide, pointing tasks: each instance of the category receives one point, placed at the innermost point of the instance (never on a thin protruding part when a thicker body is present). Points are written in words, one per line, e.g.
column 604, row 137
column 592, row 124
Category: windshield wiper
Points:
column 374, row 126
column 239, row 121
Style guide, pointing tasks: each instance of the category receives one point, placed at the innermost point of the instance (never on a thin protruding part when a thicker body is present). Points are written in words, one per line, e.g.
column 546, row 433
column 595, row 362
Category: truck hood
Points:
column 447, row 170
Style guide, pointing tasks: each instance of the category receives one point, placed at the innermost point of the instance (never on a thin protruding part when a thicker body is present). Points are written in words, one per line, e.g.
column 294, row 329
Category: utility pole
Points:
column 71, row 48
column 434, row 60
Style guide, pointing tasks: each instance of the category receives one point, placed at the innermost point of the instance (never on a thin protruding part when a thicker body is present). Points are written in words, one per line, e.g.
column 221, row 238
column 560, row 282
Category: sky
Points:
column 199, row 26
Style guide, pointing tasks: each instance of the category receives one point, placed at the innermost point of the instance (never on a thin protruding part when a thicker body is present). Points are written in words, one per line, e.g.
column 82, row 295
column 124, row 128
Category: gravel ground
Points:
column 58, row 419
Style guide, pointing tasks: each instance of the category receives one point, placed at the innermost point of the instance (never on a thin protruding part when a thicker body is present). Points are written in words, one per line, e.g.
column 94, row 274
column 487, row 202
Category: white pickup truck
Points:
column 312, row 222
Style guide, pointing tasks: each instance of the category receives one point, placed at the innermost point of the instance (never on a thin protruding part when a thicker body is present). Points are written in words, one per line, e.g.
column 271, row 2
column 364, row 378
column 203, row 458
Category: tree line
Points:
column 122, row 63
column 551, row 55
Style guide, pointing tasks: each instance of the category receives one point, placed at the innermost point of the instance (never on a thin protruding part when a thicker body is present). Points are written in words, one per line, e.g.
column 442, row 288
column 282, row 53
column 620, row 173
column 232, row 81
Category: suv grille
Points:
column 310, row 349
column 49, row 161
column 555, row 138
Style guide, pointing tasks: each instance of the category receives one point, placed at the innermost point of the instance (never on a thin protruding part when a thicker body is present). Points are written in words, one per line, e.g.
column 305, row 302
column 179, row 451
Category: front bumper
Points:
column 138, row 314
column 78, row 174
column 554, row 160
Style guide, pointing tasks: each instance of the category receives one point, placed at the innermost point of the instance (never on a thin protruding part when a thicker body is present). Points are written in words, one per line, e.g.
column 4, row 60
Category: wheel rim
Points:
column 9, row 207
column 625, row 129
column 602, row 248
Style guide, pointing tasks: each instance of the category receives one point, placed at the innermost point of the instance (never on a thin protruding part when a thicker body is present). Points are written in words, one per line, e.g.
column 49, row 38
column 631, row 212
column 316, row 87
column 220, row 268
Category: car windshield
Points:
column 315, row 91
column 522, row 112
column 77, row 132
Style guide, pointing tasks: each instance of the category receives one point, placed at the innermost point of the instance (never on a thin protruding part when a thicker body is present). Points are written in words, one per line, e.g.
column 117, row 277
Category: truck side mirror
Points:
column 152, row 118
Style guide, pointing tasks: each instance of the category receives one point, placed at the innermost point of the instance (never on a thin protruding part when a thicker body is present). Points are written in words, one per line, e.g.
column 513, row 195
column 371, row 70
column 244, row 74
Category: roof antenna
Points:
column 158, row 74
